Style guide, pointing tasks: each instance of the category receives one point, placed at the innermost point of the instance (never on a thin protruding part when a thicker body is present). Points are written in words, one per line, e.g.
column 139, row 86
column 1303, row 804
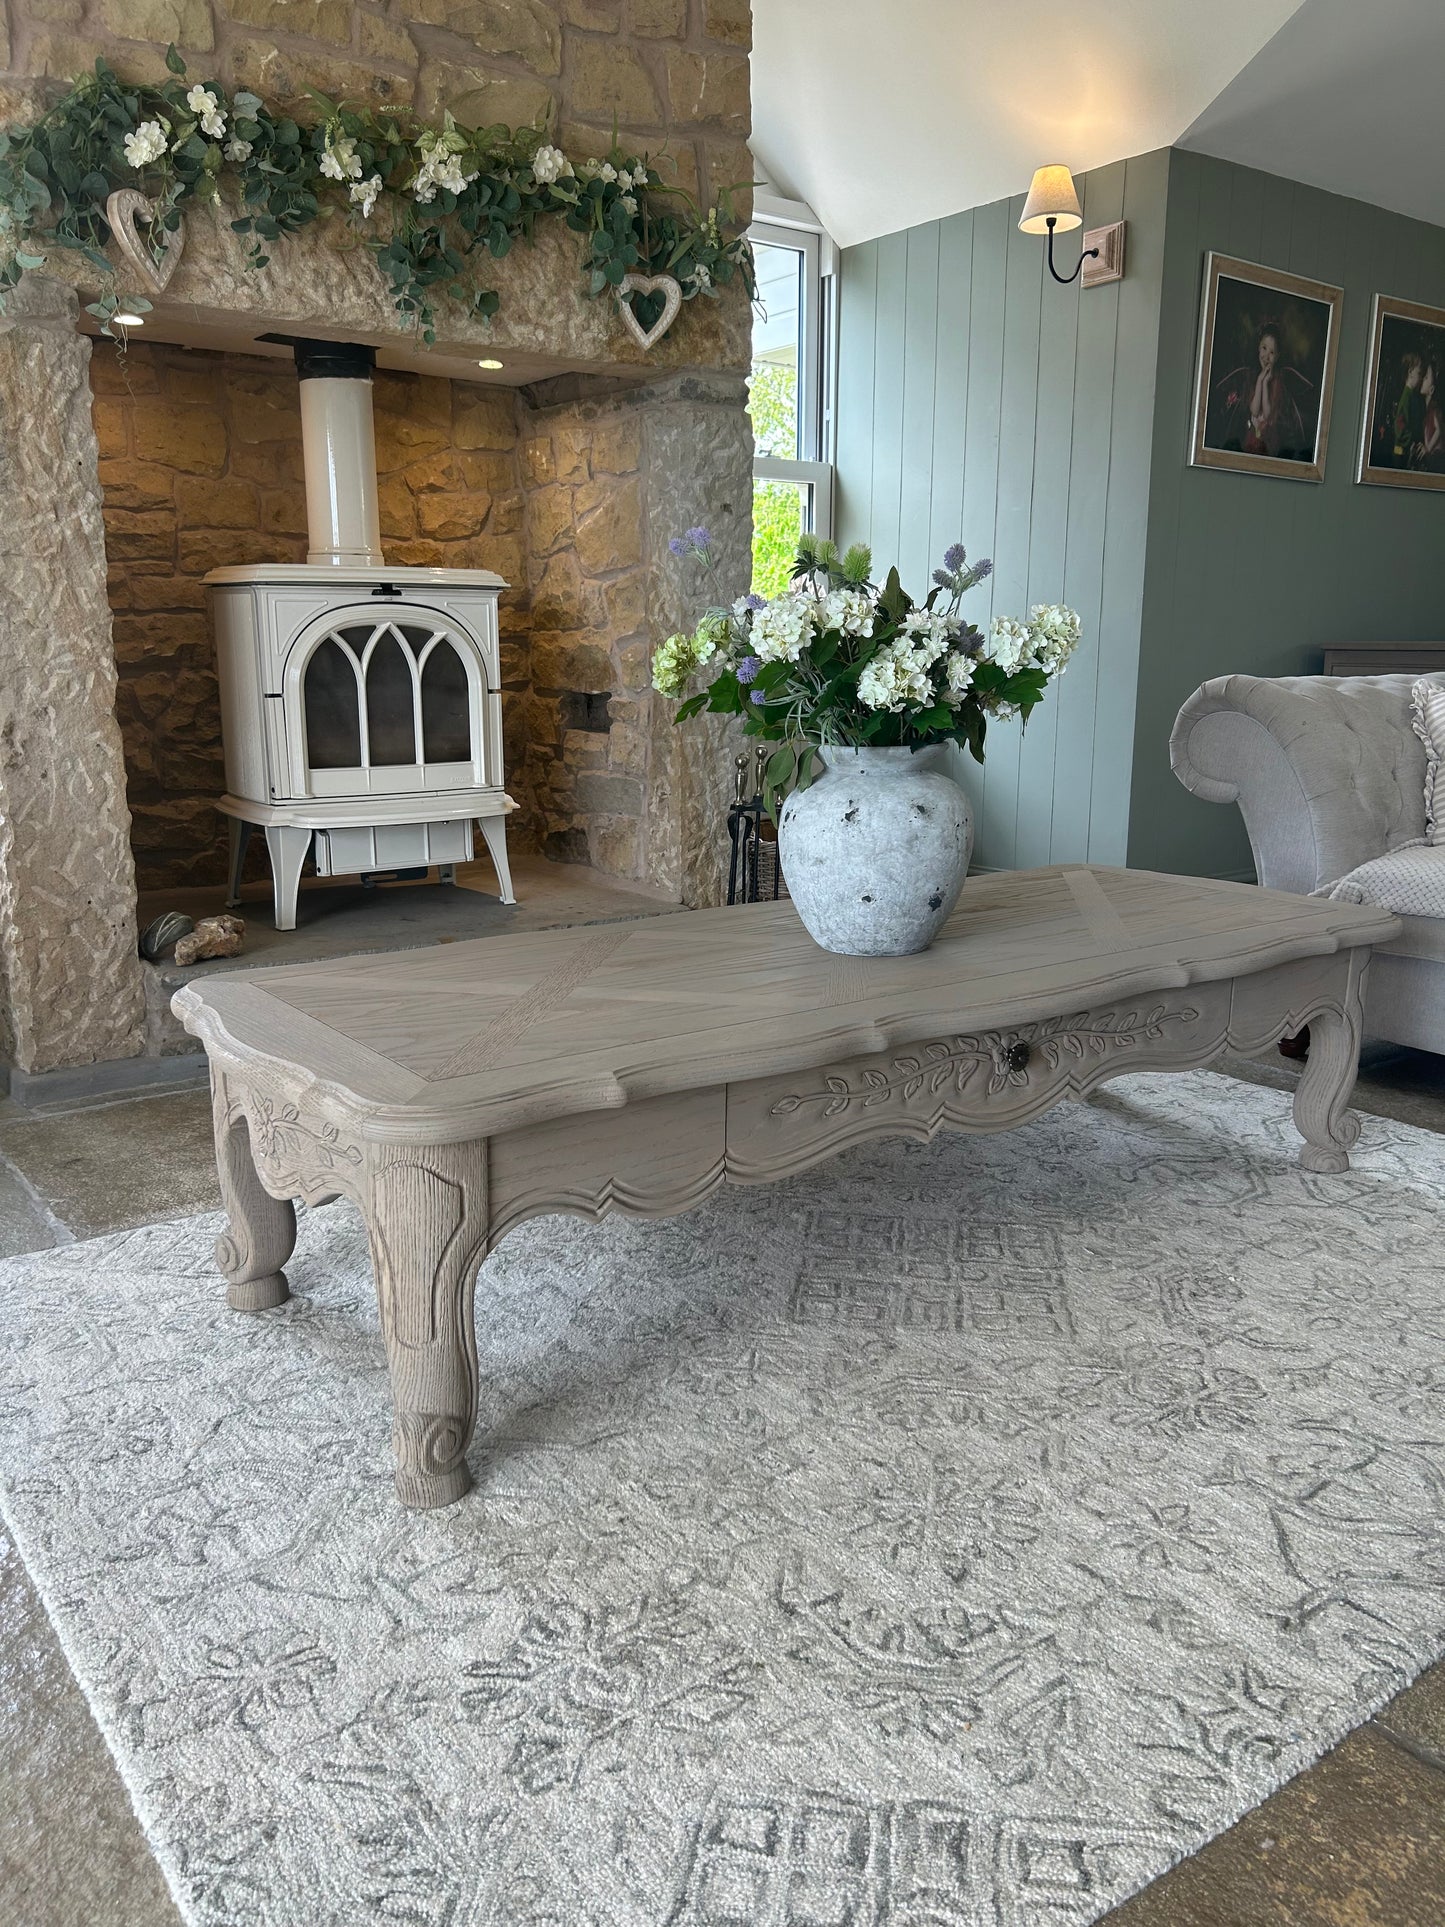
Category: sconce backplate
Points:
column 1109, row 266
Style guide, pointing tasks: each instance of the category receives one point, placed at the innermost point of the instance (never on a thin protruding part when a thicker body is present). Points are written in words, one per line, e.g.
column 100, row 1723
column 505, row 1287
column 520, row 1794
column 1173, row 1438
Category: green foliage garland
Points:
column 427, row 200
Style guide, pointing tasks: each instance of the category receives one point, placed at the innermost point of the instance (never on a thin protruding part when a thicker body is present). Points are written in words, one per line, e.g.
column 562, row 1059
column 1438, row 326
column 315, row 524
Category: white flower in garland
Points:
column 550, row 164
column 702, row 278
column 148, row 143
column 783, row 630
column 207, row 110
column 849, row 611
column 339, row 158
column 238, row 152
column 364, row 194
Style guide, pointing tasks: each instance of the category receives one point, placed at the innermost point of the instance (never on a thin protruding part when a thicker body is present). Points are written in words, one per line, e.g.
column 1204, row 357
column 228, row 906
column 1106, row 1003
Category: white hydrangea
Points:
column 849, row 611
column 895, row 680
column 1056, row 630
column 674, row 661
column 550, row 164
column 783, row 630
column 238, row 152
column 339, row 159
column 146, row 144
column 928, row 635
column 1011, row 644
column 207, row 110
column 959, row 678
column 364, row 195
column 629, row 201
column 702, row 277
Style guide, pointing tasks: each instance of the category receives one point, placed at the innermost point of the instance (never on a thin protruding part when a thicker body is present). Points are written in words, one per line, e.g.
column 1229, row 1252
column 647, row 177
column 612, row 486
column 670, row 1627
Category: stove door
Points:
column 384, row 702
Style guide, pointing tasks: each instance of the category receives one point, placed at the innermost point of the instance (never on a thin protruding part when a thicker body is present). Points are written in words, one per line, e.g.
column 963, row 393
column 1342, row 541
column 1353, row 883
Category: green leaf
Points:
column 25, row 260
column 174, row 63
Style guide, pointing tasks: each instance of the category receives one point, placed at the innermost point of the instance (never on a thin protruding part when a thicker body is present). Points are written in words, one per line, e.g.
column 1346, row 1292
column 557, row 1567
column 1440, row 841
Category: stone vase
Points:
column 875, row 851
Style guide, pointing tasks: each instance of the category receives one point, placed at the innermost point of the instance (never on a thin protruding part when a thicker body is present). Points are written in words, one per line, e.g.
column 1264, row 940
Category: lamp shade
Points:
column 1052, row 195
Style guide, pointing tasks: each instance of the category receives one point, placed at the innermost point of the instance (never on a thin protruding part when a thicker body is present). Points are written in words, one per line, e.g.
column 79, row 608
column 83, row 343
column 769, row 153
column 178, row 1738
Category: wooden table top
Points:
column 474, row 1038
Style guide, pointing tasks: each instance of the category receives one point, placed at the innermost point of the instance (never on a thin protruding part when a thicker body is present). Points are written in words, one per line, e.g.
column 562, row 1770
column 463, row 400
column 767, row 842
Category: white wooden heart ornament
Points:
column 662, row 284
column 121, row 211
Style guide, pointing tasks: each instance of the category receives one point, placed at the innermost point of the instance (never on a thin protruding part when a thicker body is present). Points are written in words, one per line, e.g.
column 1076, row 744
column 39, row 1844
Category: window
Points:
column 792, row 477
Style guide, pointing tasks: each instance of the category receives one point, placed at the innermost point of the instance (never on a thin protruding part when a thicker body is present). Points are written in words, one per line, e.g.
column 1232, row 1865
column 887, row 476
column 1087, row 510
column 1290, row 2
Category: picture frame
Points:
column 1402, row 422
column 1264, row 381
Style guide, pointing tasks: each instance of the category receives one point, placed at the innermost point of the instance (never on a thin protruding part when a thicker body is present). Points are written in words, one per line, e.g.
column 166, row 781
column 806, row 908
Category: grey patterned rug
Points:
column 958, row 1535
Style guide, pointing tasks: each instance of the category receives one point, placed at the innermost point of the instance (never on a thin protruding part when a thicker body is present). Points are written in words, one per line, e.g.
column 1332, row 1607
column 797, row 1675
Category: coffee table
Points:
column 453, row 1092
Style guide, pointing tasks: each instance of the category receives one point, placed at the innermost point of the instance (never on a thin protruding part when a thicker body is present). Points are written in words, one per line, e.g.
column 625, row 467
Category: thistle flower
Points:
column 954, row 557
column 677, row 545
column 758, row 696
column 747, row 669
column 982, row 570
column 699, row 538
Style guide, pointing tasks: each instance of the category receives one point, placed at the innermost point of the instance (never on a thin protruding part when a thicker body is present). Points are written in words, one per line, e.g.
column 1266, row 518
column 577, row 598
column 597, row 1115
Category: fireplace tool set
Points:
column 754, row 872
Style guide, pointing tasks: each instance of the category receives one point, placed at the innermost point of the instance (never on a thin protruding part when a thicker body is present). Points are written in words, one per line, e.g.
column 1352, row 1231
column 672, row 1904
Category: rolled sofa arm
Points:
column 1326, row 770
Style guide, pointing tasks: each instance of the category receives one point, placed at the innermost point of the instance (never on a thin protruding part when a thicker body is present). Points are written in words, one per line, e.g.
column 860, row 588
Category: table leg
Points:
column 1323, row 1092
column 426, row 1212
column 262, row 1233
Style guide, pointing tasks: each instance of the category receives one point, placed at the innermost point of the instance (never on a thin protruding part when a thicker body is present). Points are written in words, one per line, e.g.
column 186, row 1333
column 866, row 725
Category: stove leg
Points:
column 240, row 836
column 288, row 847
column 494, row 830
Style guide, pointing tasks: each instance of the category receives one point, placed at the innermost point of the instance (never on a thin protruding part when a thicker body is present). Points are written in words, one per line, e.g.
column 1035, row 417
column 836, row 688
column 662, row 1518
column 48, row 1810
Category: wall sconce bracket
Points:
column 1107, row 262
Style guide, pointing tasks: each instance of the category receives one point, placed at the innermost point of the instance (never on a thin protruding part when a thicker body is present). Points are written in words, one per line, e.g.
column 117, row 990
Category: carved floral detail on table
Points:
column 1008, row 1054
column 280, row 1134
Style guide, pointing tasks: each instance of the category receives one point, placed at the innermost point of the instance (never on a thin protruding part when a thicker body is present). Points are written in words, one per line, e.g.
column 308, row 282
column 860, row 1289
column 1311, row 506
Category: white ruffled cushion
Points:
column 1427, row 715
column 1410, row 881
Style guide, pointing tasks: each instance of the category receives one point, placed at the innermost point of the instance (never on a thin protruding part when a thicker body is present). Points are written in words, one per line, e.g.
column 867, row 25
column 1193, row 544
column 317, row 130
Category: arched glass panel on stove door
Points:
column 332, row 707
column 391, row 702
column 446, row 705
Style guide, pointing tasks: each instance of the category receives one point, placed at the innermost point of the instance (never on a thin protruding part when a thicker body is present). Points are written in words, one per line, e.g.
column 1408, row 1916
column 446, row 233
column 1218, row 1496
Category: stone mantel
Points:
column 324, row 282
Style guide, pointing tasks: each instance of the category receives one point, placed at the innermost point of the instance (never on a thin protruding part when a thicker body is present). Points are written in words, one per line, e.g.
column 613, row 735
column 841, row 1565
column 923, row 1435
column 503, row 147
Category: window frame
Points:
column 791, row 224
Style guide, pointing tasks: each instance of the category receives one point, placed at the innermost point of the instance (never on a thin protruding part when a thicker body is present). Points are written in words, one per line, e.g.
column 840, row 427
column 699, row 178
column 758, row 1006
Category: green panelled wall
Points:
column 978, row 399
column 1246, row 572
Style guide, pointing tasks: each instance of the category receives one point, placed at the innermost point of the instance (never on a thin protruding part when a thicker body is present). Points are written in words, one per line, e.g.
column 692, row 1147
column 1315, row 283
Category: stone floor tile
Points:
column 1416, row 1717
column 72, row 1853
column 119, row 1164
column 25, row 1224
column 1358, row 1840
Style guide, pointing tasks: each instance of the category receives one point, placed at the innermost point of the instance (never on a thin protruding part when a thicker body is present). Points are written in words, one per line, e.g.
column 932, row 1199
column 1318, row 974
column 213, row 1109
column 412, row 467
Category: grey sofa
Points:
column 1328, row 774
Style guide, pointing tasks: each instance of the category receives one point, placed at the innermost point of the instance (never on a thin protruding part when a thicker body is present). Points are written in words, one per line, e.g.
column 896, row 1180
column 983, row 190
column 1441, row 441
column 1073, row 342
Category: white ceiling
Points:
column 881, row 116
column 1346, row 96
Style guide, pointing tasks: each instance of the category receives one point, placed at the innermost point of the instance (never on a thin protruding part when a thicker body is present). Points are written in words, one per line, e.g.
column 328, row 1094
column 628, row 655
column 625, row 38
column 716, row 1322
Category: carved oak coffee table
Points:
column 453, row 1092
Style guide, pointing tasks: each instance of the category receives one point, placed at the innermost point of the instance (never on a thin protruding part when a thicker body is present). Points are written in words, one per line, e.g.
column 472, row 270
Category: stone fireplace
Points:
column 564, row 473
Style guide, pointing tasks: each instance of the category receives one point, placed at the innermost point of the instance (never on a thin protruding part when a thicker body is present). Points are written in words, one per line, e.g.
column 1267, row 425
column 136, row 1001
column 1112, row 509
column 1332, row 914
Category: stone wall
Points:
column 670, row 72
column 673, row 74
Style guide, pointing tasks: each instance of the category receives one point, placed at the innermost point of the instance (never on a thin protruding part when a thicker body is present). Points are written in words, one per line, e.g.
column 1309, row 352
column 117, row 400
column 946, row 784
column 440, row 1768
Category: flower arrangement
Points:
column 428, row 200
column 835, row 660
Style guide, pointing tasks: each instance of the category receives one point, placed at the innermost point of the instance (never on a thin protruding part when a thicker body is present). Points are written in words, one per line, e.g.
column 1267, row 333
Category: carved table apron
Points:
column 452, row 1093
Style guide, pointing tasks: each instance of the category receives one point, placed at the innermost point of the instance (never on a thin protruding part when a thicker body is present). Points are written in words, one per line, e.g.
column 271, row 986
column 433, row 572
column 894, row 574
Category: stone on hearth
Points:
column 610, row 78
column 220, row 936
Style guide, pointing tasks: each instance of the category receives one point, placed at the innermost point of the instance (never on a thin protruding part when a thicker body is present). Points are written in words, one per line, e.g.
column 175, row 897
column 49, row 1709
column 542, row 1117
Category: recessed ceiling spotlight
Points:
column 128, row 318
column 489, row 364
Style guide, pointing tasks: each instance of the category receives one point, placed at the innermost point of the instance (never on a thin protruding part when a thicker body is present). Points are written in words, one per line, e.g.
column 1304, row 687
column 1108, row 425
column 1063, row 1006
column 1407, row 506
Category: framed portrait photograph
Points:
column 1402, row 439
column 1265, row 380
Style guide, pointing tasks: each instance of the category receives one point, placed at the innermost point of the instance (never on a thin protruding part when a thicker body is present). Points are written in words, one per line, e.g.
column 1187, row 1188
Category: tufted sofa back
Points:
column 1326, row 769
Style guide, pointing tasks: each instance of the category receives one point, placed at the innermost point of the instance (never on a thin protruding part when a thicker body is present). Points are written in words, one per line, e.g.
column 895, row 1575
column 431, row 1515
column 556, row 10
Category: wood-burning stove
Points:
column 360, row 704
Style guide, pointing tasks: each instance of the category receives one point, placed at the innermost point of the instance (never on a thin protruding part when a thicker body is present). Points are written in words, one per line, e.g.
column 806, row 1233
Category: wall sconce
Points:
column 1053, row 207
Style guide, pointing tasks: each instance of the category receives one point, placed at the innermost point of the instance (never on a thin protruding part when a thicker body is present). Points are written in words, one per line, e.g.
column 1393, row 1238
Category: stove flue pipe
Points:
column 338, row 442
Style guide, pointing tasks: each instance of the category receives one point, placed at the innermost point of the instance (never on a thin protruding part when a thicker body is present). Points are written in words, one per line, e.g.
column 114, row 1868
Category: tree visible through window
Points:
column 778, row 506
column 791, row 484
